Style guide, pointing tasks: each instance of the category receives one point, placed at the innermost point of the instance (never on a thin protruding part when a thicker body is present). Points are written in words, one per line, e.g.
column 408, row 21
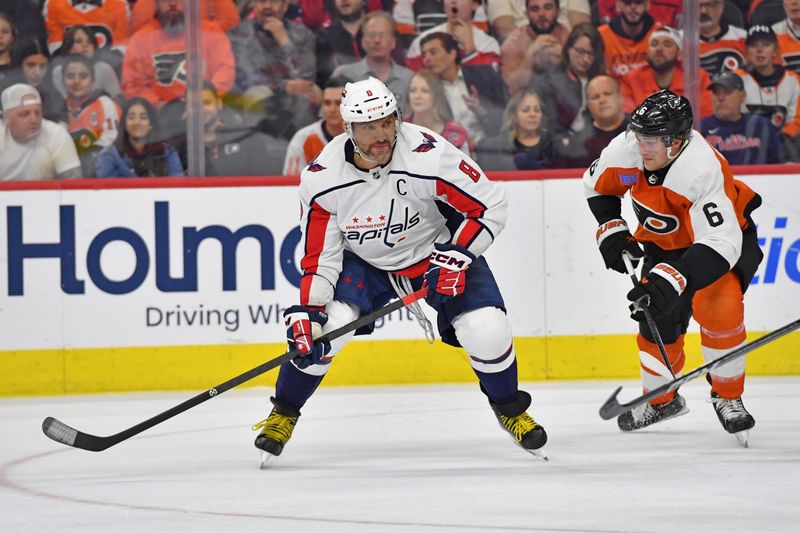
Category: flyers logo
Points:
column 655, row 222
column 170, row 67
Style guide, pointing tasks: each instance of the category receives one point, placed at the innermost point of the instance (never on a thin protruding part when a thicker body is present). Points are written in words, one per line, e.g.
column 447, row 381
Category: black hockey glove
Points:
column 446, row 274
column 303, row 324
column 660, row 291
column 613, row 238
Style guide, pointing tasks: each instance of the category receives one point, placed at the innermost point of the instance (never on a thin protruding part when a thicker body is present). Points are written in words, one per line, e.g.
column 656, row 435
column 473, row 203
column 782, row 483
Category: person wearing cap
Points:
column 662, row 71
column 788, row 33
column 721, row 45
column 743, row 138
column 33, row 148
column 772, row 90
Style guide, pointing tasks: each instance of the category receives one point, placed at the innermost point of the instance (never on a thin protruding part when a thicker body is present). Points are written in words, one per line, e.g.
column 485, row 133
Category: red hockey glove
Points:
column 302, row 326
column 660, row 291
column 613, row 238
column 446, row 273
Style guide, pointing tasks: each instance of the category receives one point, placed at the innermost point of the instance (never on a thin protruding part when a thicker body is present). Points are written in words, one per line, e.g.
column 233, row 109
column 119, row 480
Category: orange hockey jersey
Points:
column 155, row 65
column 109, row 20
column 95, row 123
column 623, row 54
column 723, row 53
column 640, row 84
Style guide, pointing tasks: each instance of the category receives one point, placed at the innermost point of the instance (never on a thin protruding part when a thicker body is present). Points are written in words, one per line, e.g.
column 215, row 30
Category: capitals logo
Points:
column 429, row 144
column 315, row 167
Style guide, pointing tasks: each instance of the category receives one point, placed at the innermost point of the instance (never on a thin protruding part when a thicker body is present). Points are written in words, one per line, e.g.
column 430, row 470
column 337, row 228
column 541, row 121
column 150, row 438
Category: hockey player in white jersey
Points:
column 386, row 208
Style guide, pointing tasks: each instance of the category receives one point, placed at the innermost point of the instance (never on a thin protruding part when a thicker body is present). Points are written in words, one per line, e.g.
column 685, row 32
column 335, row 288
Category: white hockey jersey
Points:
column 388, row 216
column 697, row 201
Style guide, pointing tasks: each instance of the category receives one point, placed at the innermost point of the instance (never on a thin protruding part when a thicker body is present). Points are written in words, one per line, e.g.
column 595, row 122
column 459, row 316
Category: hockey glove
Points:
column 613, row 238
column 660, row 291
column 446, row 274
column 302, row 326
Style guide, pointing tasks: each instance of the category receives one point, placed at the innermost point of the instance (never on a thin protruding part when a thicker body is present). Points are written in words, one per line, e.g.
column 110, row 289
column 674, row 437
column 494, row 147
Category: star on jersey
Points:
column 429, row 144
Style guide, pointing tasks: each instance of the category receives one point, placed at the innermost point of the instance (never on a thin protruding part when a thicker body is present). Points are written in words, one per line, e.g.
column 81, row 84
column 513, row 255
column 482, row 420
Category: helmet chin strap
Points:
column 671, row 158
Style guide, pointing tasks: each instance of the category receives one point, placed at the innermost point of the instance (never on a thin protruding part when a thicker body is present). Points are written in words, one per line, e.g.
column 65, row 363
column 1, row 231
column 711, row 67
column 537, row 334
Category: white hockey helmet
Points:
column 365, row 101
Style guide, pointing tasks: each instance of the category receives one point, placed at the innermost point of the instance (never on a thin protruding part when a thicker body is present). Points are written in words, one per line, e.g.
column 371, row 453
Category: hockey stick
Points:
column 60, row 432
column 612, row 408
column 626, row 258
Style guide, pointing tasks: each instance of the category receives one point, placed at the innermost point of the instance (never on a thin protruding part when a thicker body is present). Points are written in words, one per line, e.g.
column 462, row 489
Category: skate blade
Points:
column 266, row 458
column 743, row 437
column 540, row 453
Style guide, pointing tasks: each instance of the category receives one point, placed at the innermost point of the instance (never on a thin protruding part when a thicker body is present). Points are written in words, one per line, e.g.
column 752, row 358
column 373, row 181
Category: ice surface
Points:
column 405, row 459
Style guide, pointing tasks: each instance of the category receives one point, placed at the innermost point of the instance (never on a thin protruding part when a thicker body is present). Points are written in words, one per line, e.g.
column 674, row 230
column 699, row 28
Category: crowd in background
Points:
column 516, row 84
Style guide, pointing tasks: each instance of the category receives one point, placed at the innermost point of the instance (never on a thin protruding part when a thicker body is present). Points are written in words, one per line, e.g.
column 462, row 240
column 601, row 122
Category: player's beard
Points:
column 379, row 159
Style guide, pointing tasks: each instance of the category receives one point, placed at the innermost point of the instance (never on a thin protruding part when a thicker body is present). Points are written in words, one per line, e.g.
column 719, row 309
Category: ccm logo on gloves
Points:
column 452, row 260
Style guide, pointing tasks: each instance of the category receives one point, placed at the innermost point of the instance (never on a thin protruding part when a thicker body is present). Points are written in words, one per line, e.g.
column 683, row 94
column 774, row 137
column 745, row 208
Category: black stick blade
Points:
column 59, row 431
column 612, row 408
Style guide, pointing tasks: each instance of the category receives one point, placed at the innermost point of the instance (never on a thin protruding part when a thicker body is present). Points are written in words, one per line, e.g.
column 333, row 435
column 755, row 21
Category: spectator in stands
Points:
column 81, row 40
column 315, row 14
column 562, row 91
column 428, row 107
column 627, row 37
column 234, row 148
column 221, row 12
column 140, row 149
column 604, row 103
column 743, row 138
column 379, row 39
column 662, row 71
column 536, row 47
column 311, row 139
column 476, row 93
column 524, row 142
column 8, row 36
column 341, row 42
column 788, row 32
column 155, row 64
column 505, row 15
column 31, row 65
column 93, row 117
column 721, row 45
column 664, row 12
column 26, row 19
column 33, row 148
column 110, row 20
column 772, row 90
column 475, row 46
column 276, row 68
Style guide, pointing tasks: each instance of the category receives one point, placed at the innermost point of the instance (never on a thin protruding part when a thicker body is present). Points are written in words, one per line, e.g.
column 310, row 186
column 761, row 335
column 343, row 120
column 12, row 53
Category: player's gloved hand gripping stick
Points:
column 60, row 432
column 640, row 305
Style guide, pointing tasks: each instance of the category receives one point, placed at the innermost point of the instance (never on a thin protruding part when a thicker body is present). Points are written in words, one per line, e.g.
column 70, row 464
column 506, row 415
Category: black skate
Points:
column 276, row 430
column 734, row 417
column 647, row 414
column 512, row 417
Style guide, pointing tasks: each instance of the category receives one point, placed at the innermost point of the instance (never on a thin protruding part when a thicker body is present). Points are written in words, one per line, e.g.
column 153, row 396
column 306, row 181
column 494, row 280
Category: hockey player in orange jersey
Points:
column 698, row 244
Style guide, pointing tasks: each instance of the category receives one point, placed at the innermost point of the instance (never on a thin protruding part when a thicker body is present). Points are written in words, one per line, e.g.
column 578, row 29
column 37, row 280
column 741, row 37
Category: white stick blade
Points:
column 59, row 431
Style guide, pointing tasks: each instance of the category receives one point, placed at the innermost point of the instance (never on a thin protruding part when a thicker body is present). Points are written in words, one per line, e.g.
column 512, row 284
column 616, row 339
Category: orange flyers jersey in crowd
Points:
column 94, row 124
column 109, row 20
column 306, row 143
column 155, row 65
column 724, row 53
column 697, row 200
column 777, row 100
column 622, row 54
column 641, row 83
column 789, row 46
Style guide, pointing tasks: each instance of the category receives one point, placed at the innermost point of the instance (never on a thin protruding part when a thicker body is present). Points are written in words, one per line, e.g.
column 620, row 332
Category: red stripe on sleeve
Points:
column 467, row 205
column 468, row 233
column 316, row 228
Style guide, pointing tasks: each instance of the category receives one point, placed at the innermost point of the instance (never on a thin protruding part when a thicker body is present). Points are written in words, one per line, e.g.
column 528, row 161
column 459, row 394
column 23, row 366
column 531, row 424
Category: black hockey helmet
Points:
column 663, row 114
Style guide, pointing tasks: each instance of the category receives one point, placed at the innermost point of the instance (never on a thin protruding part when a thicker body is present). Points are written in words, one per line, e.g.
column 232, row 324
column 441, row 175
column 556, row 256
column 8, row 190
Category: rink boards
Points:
column 120, row 285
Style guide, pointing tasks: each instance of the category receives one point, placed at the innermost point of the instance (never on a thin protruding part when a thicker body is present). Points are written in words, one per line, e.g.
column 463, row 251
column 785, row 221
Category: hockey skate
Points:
column 526, row 433
column 734, row 417
column 276, row 430
column 647, row 414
